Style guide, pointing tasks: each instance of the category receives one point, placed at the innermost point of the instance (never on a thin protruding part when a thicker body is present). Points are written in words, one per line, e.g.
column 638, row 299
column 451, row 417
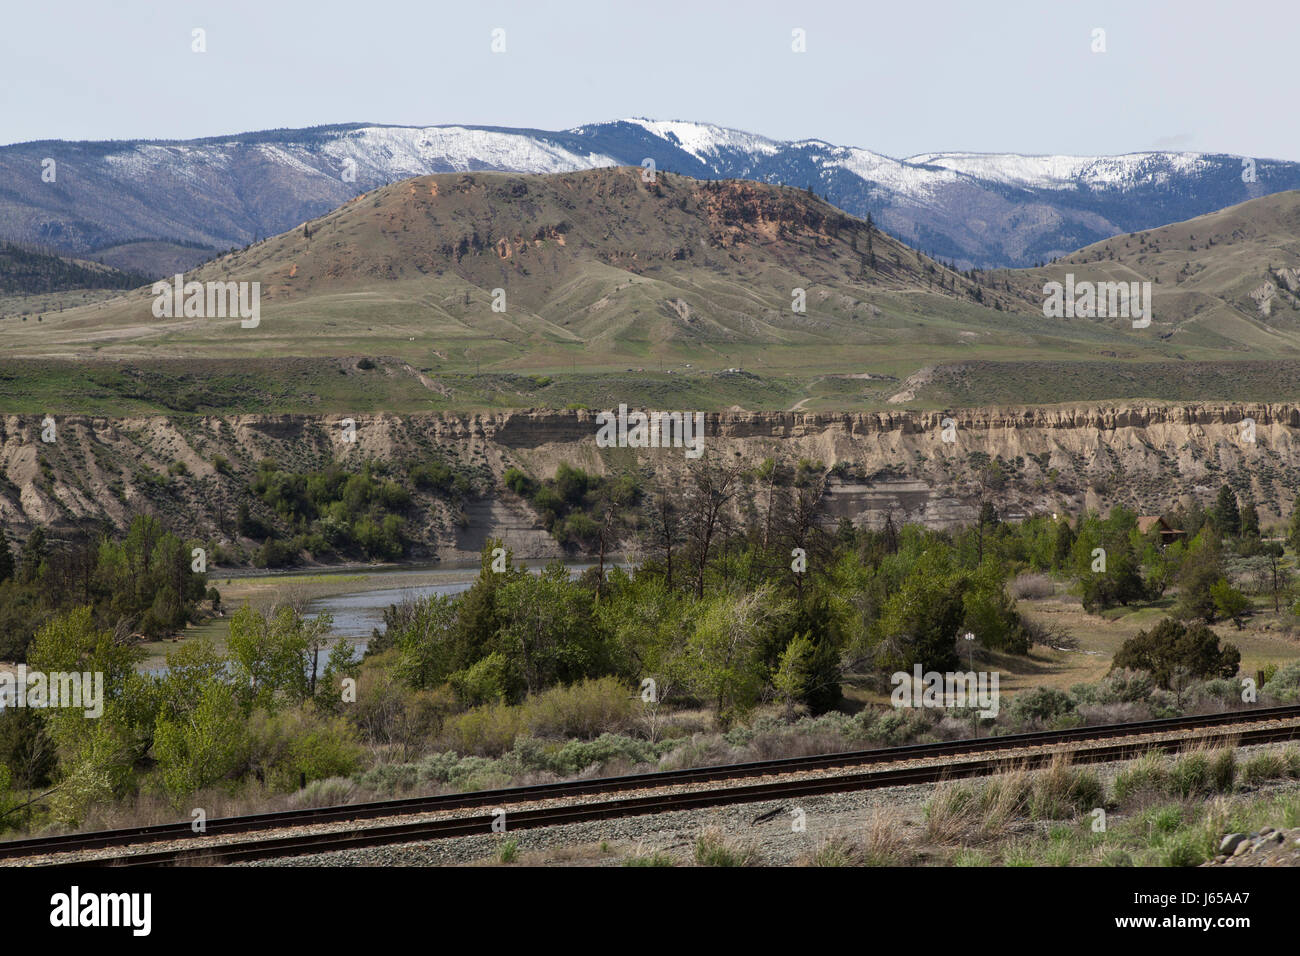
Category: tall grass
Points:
column 962, row 812
column 712, row 848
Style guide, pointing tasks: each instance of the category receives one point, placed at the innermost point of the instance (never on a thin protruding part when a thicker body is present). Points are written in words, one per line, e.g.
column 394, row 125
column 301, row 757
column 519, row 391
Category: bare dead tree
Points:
column 801, row 529
column 665, row 517
column 712, row 489
column 606, row 536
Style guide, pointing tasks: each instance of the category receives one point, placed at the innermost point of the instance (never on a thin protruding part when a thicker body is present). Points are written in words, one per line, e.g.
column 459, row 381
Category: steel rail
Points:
column 989, row 747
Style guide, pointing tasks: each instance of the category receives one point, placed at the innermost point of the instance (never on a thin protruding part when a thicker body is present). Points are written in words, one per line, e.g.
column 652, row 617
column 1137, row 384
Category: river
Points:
column 357, row 613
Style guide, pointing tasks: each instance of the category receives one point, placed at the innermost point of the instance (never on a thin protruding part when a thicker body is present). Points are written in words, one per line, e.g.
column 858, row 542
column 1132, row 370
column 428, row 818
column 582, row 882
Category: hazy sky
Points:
column 901, row 77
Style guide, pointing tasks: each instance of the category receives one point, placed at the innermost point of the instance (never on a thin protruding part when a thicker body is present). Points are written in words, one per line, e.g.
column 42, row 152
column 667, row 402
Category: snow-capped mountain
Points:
column 1129, row 171
column 157, row 205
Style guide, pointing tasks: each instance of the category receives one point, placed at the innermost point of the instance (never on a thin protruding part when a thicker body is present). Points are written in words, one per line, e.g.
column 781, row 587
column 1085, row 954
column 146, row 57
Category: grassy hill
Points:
column 1226, row 281
column 611, row 286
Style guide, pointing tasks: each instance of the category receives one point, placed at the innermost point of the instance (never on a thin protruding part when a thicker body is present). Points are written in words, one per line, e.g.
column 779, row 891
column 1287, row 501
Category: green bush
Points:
column 1118, row 687
column 895, row 727
column 991, row 614
column 203, row 747
column 437, row 476
column 1284, row 685
column 576, row 530
column 491, row 679
column 1228, row 601
column 332, row 508
column 490, row 729
column 586, row 709
column 1042, row 704
column 578, row 755
column 1172, row 645
column 296, row 746
column 389, row 779
column 1221, row 688
column 519, row 483
column 275, row 554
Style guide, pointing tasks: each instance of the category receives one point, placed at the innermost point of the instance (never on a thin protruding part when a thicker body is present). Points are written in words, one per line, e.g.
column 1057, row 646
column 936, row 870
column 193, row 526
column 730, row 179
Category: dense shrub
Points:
column 294, row 747
column 350, row 513
column 490, row 729
column 1031, row 586
column 572, row 504
column 894, row 727
column 1284, row 685
column 584, row 709
column 578, row 755
column 442, row 478
column 1172, row 645
column 1120, row 686
column 1040, row 705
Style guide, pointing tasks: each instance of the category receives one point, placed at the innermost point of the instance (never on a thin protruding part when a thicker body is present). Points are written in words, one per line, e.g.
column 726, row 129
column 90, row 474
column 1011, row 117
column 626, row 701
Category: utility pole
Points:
column 969, row 638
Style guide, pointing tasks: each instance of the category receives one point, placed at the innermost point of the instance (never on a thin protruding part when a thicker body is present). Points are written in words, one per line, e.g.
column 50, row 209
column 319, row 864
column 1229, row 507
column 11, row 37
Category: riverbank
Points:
column 356, row 598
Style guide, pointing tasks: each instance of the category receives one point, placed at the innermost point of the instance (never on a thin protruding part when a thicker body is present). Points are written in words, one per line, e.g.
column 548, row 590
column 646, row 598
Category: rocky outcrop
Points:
column 931, row 467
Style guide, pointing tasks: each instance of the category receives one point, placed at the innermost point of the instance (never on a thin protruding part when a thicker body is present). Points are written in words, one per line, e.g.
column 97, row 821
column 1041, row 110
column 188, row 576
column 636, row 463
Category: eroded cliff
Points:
column 193, row 472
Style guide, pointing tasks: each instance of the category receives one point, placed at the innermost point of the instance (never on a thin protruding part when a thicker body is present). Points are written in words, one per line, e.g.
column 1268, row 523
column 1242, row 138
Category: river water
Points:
column 358, row 613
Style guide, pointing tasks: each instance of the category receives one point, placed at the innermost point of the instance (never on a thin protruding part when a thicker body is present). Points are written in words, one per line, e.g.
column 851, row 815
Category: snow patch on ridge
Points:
column 910, row 180
column 188, row 163
column 1070, row 172
column 402, row 151
column 703, row 140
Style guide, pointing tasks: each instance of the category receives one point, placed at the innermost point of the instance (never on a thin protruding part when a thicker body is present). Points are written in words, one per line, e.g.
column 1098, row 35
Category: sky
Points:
column 900, row 78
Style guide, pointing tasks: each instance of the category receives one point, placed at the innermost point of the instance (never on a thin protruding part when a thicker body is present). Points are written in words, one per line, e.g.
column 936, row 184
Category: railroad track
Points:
column 988, row 756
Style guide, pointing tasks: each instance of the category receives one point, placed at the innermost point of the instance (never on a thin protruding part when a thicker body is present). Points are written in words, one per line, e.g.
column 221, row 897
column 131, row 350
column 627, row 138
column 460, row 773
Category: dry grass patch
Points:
column 1203, row 769
column 1264, row 767
column 950, row 815
column 713, row 848
column 962, row 813
column 882, row 838
column 837, row 850
column 1148, row 775
column 1063, row 791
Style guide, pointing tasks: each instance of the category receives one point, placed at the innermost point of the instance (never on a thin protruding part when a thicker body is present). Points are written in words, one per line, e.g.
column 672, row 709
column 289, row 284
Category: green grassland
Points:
column 308, row 385
column 617, row 290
